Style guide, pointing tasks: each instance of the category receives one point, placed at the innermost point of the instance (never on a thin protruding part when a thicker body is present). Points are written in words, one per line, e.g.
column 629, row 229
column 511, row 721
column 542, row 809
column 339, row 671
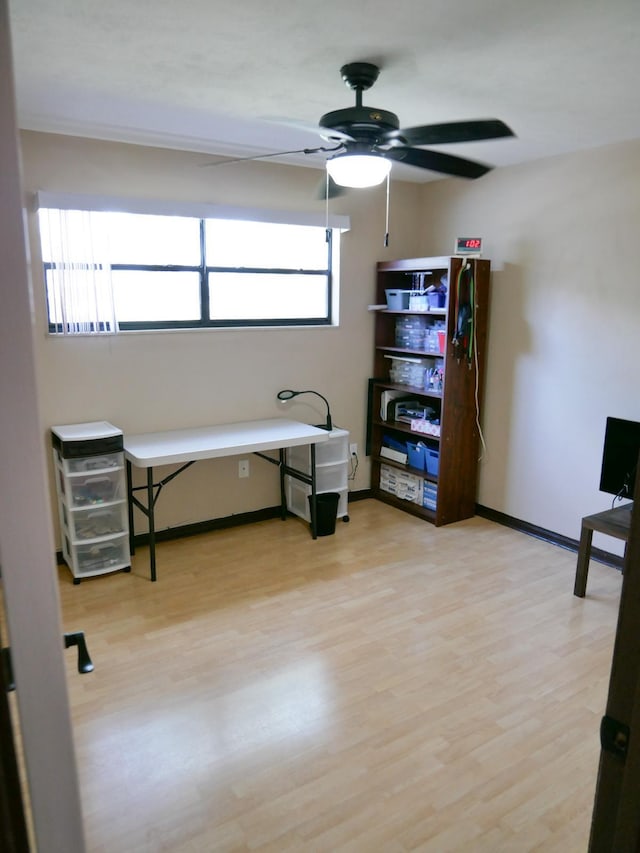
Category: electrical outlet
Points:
column 243, row 468
column 353, row 449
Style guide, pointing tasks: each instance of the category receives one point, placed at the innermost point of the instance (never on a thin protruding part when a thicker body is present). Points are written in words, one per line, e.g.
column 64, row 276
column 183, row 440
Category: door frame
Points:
column 27, row 551
column 615, row 826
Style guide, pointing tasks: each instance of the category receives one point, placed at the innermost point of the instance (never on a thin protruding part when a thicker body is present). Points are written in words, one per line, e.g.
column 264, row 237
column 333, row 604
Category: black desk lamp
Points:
column 287, row 394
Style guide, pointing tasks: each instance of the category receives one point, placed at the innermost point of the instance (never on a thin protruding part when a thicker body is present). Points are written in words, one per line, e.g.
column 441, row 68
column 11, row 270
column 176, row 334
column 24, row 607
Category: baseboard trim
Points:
column 550, row 536
column 362, row 495
column 169, row 533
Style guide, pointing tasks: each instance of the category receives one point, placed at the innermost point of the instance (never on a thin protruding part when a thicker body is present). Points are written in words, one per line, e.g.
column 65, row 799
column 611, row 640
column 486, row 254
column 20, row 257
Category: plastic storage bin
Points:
column 96, row 523
column 405, row 372
column 416, row 454
column 410, row 332
column 92, row 464
column 437, row 299
column 397, row 300
column 91, row 491
column 432, row 461
column 103, row 556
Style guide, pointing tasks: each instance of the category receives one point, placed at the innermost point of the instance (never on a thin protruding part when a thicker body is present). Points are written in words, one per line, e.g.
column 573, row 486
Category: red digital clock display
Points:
column 468, row 245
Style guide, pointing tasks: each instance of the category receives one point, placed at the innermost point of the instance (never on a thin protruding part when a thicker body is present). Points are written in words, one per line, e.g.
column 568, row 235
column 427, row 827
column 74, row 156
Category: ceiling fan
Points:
column 368, row 140
column 376, row 134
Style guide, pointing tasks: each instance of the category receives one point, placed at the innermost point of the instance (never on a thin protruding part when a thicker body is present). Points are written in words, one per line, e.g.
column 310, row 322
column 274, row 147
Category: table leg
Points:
column 314, row 503
column 283, row 493
column 132, row 543
column 582, row 566
column 152, row 527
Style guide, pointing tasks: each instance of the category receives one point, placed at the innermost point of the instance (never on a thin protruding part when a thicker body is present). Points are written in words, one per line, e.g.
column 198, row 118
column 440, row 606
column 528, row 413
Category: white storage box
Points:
column 402, row 484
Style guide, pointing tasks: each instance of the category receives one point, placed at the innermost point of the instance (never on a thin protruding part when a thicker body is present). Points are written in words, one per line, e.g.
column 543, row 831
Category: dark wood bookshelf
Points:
column 458, row 442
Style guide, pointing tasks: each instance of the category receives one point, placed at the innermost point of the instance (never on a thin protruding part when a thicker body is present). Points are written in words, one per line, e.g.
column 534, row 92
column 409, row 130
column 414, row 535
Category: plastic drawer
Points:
column 327, row 452
column 331, row 478
column 98, row 522
column 100, row 489
column 102, row 556
column 94, row 463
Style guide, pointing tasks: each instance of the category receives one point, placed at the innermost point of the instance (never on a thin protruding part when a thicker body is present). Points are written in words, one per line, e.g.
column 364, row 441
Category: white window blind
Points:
column 79, row 286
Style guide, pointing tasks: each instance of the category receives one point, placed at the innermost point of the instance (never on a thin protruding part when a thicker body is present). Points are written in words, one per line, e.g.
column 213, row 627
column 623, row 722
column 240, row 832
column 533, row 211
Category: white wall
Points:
column 564, row 349
column 152, row 381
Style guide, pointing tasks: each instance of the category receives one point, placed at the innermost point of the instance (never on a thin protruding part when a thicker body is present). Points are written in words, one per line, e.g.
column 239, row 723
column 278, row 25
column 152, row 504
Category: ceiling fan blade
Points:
column 228, row 160
column 437, row 161
column 325, row 132
column 455, row 131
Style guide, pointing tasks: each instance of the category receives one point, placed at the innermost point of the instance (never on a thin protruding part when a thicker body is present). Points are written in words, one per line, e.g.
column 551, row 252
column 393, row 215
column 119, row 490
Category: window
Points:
column 107, row 270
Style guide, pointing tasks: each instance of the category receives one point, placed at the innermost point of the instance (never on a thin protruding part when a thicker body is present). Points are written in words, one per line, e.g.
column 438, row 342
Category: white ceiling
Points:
column 234, row 78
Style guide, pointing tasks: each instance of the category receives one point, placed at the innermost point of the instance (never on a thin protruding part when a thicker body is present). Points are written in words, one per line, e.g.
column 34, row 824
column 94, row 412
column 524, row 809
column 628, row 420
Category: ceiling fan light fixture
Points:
column 358, row 170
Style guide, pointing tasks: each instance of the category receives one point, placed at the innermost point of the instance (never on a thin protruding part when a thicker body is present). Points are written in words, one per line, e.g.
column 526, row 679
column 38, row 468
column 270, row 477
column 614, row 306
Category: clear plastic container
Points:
column 405, row 373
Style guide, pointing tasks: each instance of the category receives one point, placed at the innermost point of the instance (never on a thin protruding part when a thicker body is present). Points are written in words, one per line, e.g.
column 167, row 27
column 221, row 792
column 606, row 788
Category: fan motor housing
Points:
column 360, row 122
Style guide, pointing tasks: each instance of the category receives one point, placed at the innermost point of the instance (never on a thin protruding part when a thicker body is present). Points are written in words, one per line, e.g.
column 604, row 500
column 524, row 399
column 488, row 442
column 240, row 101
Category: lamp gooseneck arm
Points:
column 288, row 394
column 329, row 423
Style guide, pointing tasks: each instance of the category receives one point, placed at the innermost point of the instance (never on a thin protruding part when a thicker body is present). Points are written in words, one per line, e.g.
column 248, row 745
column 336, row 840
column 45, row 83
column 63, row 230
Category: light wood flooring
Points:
column 393, row 687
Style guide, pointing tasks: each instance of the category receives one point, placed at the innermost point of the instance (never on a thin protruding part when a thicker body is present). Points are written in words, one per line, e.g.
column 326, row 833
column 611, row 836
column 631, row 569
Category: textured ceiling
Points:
column 255, row 76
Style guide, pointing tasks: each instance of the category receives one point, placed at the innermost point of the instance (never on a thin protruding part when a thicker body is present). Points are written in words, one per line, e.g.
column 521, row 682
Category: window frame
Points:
column 330, row 228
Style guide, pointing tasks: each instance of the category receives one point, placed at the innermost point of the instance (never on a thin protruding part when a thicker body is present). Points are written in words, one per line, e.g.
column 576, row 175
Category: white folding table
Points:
column 186, row 446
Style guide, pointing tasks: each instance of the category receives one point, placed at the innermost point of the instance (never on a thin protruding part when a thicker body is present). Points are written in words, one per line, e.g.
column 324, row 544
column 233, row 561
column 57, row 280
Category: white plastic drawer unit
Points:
column 332, row 474
column 92, row 498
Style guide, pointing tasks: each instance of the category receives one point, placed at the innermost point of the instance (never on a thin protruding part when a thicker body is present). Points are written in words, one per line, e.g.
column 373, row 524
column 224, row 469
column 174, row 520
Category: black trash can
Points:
column 327, row 509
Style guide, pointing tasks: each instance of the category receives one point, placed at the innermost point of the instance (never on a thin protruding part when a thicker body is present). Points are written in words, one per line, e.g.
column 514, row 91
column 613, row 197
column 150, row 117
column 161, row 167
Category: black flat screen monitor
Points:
column 620, row 457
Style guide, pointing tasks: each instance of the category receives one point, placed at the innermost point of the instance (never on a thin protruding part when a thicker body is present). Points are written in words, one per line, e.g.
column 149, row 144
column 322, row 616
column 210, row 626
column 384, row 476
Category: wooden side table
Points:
column 614, row 522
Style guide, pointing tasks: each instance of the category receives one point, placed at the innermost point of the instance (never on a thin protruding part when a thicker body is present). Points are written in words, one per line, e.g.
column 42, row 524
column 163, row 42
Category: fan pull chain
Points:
column 326, row 208
column 386, row 233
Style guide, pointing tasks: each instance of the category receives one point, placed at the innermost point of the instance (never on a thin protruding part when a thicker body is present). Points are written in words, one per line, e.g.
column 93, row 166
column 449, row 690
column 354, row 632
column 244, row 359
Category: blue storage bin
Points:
column 432, row 461
column 394, row 444
column 416, row 453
